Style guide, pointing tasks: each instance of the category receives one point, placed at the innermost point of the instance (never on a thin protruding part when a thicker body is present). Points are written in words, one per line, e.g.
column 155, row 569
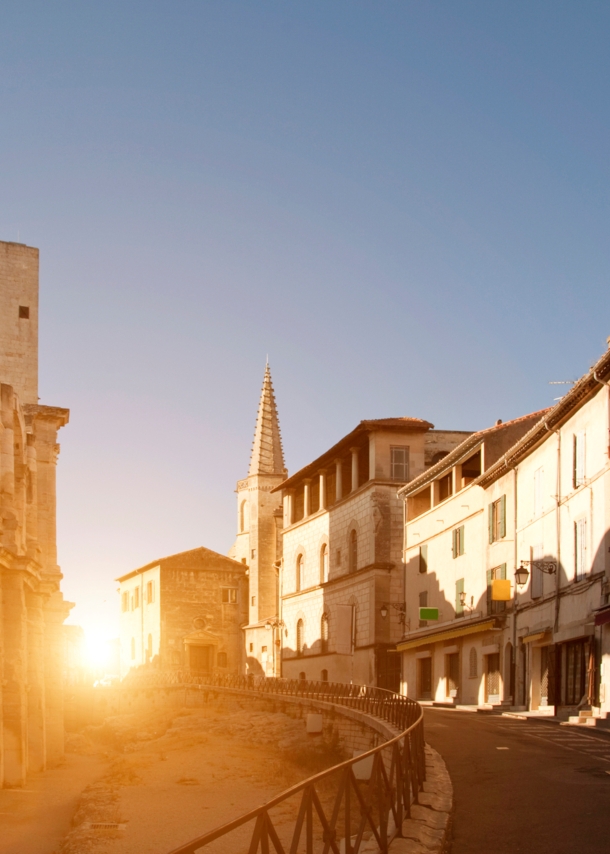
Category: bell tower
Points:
column 259, row 524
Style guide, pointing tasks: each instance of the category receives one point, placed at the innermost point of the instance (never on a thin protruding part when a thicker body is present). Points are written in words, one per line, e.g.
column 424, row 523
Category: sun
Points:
column 97, row 650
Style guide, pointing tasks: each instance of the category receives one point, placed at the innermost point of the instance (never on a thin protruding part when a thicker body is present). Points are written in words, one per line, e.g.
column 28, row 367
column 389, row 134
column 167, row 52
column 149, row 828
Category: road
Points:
column 523, row 786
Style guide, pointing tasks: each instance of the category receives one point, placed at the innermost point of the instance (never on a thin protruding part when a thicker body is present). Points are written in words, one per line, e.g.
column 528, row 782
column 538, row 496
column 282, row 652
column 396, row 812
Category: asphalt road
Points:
column 523, row 786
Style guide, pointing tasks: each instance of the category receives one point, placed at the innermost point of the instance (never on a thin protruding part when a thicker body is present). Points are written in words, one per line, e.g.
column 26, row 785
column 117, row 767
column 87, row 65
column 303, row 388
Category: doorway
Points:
column 492, row 678
column 424, row 678
column 200, row 658
column 575, row 672
column 452, row 671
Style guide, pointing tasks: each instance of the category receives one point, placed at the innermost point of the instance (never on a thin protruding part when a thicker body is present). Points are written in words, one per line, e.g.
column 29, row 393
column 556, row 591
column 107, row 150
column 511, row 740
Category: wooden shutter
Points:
column 459, row 588
column 423, row 559
column 490, row 522
column 454, row 542
column 502, row 571
column 503, row 516
column 461, row 540
column 489, row 580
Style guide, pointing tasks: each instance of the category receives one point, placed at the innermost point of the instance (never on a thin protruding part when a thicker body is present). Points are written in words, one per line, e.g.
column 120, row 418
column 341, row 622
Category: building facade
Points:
column 341, row 583
column 32, row 607
column 259, row 530
column 517, row 563
column 184, row 613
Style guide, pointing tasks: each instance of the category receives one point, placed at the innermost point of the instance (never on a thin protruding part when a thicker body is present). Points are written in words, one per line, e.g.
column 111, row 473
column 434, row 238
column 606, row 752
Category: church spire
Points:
column 267, row 454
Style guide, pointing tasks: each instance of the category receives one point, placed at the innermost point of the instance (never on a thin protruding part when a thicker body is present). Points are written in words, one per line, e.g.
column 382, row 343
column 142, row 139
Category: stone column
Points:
column 36, row 694
column 372, row 462
column 323, row 490
column 55, row 611
column 306, row 496
column 31, row 497
column 14, row 698
column 287, row 507
column 354, row 452
column 338, row 480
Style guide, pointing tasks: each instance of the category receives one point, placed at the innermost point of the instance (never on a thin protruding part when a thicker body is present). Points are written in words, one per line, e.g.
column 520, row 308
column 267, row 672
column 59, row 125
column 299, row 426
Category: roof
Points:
column 598, row 375
column 468, row 445
column 400, row 424
column 267, row 455
column 201, row 551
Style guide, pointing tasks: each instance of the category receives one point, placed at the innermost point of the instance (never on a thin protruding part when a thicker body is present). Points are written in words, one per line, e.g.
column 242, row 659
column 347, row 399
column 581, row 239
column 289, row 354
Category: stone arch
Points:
column 324, row 555
column 324, row 632
column 244, row 516
column 353, row 537
column 300, row 569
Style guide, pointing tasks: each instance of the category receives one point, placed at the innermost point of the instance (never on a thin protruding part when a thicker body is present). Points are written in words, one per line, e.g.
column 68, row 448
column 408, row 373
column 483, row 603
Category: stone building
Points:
column 32, row 608
column 342, row 595
column 520, row 568
column 446, row 565
column 184, row 612
column 259, row 531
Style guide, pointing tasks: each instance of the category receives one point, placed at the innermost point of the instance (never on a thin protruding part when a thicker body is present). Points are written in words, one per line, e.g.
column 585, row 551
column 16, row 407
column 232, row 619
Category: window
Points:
column 423, row 603
column 263, row 649
column 300, row 637
column 149, row 648
column 150, row 592
column 497, row 520
column 580, row 548
column 324, row 563
column 493, row 574
column 578, row 476
column 473, row 663
column 324, row 676
column 133, row 648
column 251, row 646
column 24, row 312
column 423, row 559
column 253, row 601
column 400, row 463
column 300, row 572
column 229, row 595
column 136, row 598
column 459, row 596
column 324, row 632
column 458, row 541
column 445, row 487
column 302, row 676
column 125, row 601
column 538, row 487
column 222, row 659
column 253, row 553
column 243, row 516
column 353, row 551
column 338, row 557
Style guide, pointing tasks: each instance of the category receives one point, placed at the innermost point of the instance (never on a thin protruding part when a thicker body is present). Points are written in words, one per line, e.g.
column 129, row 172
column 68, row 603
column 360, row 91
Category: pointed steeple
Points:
column 267, row 454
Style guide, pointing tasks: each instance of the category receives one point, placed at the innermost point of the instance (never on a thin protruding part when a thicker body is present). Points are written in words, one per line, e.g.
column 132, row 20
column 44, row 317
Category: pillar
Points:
column 306, row 497
column 14, row 698
column 55, row 611
column 36, row 693
column 323, row 490
column 354, row 468
column 338, row 480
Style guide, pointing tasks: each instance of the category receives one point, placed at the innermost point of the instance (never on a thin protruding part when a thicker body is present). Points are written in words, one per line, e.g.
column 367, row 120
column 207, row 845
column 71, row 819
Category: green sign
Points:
column 428, row 613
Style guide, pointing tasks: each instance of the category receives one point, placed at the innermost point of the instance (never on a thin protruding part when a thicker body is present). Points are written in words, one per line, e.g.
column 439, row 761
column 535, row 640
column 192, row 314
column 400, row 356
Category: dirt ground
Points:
column 167, row 778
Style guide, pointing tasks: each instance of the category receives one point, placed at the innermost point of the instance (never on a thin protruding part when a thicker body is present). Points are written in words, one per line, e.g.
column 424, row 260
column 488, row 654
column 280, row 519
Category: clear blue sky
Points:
column 405, row 204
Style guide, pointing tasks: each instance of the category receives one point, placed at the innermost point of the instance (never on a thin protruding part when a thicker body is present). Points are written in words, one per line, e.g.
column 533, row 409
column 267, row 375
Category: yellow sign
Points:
column 500, row 590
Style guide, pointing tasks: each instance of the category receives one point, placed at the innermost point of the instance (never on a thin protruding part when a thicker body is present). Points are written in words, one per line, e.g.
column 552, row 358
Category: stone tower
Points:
column 259, row 524
column 19, row 319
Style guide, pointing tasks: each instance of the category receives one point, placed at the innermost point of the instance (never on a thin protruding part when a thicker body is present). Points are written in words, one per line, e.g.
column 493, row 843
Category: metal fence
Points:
column 345, row 809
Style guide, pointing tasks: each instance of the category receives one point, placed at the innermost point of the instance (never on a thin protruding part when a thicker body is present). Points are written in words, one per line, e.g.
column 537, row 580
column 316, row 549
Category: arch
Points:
column 324, row 676
column 302, row 676
column 300, row 571
column 324, row 632
column 243, row 516
column 473, row 663
column 353, row 551
column 300, row 636
column 324, row 563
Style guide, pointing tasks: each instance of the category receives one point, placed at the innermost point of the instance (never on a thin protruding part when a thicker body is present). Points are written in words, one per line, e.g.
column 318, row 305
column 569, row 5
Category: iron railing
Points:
column 344, row 809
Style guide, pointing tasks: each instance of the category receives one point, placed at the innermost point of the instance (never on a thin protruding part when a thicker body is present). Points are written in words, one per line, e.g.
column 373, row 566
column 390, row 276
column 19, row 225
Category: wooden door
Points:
column 452, row 663
column 425, row 679
column 492, row 678
column 200, row 658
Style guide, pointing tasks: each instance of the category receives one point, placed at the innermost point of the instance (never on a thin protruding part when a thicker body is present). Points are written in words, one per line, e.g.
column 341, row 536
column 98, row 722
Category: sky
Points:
column 404, row 205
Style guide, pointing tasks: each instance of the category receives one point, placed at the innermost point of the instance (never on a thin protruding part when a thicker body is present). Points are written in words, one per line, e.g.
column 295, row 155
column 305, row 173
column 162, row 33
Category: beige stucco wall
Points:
column 138, row 623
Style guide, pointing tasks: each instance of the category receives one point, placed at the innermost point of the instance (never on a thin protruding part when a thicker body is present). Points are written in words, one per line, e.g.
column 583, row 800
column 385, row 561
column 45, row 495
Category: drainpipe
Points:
column 515, row 550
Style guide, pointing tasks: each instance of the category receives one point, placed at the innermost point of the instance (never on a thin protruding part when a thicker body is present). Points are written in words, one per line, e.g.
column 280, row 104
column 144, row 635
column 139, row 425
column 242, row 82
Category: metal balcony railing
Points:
column 355, row 804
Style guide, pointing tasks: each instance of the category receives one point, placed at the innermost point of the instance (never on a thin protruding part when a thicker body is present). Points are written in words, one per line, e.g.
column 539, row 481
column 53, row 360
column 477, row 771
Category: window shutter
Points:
column 503, row 516
column 489, row 580
column 459, row 588
column 461, row 538
column 575, row 461
column 454, row 542
column 423, row 558
column 503, row 571
column 490, row 522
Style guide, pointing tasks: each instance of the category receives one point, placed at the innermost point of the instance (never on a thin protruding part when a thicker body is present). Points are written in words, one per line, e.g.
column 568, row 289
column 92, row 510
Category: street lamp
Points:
column 522, row 572
column 401, row 607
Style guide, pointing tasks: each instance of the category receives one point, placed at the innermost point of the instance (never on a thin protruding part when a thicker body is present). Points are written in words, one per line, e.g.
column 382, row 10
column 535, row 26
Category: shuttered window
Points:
column 458, row 541
column 423, row 559
column 579, row 460
column 459, row 590
column 497, row 519
column 580, row 548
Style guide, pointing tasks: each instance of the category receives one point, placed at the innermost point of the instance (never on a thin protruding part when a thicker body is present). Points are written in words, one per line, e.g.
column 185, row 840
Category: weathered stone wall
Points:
column 19, row 333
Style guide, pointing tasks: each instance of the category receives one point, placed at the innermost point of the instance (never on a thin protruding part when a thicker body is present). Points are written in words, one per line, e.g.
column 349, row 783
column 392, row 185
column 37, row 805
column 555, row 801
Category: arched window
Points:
column 300, row 637
column 149, row 648
column 133, row 648
column 324, row 563
column 324, row 632
column 324, row 676
column 353, row 551
column 473, row 663
column 300, row 572
column 302, row 676
column 243, row 516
